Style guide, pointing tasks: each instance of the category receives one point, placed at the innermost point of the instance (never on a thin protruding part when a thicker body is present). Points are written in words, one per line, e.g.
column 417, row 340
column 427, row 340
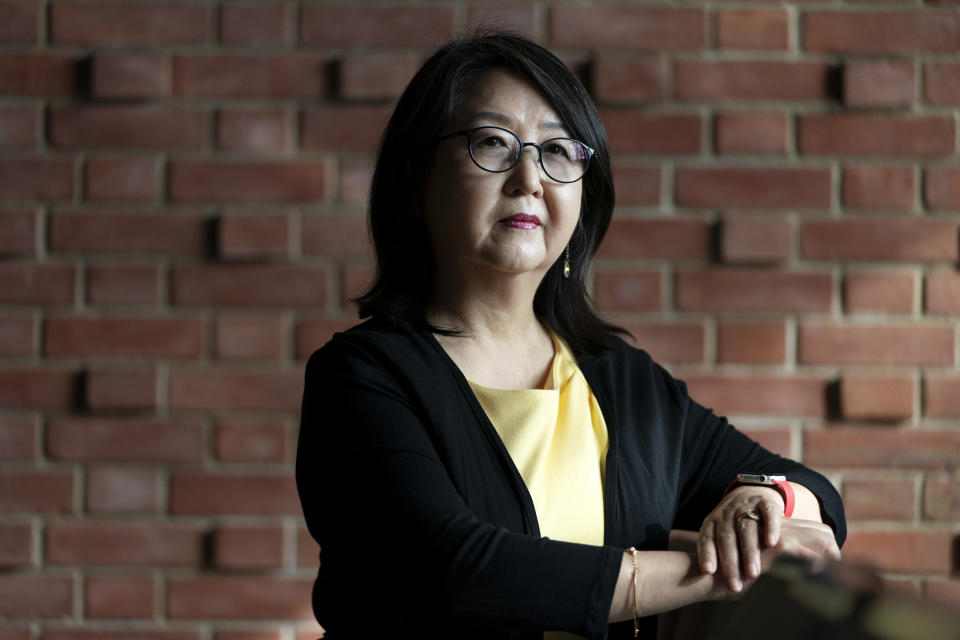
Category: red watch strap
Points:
column 780, row 486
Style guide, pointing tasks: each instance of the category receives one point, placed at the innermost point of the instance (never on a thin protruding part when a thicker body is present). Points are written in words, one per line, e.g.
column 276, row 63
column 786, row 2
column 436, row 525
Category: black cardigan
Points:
column 426, row 527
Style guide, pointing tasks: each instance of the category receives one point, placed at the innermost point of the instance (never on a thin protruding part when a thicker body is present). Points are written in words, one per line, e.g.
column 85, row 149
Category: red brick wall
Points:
column 181, row 222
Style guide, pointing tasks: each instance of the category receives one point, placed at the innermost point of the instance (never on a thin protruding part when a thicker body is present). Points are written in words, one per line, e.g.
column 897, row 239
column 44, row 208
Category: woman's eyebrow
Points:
column 507, row 121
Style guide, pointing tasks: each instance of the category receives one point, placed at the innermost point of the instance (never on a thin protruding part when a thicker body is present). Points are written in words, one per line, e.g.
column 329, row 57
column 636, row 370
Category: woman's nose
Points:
column 527, row 174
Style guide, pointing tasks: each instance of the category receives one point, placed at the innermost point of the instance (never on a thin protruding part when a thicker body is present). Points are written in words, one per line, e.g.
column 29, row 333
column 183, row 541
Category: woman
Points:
column 478, row 457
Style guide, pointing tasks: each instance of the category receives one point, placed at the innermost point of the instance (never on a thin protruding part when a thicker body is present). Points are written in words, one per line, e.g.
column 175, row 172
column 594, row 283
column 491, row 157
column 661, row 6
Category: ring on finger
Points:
column 749, row 515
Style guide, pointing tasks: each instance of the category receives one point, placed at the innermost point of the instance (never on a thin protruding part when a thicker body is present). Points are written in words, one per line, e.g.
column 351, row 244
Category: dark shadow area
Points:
column 833, row 83
column 833, row 405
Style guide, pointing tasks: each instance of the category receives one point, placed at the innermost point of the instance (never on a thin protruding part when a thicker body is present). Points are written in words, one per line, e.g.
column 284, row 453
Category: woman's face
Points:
column 514, row 222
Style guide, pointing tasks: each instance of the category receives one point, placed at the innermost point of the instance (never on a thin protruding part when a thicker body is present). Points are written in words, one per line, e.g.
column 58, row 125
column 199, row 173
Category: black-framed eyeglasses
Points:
column 496, row 150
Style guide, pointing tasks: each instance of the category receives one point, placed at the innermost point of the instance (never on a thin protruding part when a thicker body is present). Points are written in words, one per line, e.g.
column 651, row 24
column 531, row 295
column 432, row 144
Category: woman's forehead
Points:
column 506, row 99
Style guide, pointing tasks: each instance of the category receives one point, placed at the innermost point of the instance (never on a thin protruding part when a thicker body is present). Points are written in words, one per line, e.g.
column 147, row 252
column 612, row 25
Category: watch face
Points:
column 759, row 478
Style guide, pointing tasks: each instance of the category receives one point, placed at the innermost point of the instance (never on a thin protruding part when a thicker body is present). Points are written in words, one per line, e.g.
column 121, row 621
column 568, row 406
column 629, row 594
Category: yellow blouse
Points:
column 558, row 441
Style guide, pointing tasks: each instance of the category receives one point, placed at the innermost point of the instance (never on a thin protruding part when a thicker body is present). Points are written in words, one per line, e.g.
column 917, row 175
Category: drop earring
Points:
column 566, row 262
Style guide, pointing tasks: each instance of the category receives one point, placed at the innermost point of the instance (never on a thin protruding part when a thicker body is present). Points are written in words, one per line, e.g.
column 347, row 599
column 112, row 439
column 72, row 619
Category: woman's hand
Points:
column 746, row 521
column 747, row 530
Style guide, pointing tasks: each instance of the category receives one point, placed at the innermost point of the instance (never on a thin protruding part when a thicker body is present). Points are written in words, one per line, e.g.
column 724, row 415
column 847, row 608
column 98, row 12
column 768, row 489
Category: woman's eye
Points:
column 556, row 149
column 492, row 141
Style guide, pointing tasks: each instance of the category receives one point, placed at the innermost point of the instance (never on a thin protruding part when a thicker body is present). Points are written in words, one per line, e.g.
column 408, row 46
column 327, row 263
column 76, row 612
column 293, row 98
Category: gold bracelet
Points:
column 636, row 568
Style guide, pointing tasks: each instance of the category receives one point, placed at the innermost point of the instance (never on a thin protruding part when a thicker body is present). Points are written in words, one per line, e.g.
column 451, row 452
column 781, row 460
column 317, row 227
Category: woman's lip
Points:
column 521, row 221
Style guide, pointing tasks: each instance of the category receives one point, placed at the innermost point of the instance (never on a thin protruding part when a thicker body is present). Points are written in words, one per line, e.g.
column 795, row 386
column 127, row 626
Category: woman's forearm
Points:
column 666, row 580
column 806, row 505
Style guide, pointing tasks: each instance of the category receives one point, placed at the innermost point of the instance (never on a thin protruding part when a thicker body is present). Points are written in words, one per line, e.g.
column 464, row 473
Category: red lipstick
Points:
column 521, row 221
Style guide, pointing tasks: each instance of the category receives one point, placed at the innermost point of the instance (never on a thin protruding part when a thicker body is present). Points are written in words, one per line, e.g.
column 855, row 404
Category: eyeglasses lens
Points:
column 564, row 159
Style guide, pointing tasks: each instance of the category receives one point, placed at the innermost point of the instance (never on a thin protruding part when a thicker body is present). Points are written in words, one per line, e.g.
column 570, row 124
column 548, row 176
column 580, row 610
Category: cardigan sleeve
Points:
column 715, row 451
column 398, row 539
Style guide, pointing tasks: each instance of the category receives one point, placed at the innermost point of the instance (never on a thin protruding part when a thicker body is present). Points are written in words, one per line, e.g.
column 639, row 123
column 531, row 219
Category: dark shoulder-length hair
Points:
column 405, row 262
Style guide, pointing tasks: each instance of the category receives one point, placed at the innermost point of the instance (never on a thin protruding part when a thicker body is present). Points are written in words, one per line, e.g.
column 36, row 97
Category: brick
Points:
column 254, row 236
column 308, row 551
column 942, row 82
column 250, row 76
column 15, row 633
column 111, row 634
column 942, row 293
column 336, row 235
column 37, row 178
column 16, row 545
column 750, row 80
column 121, row 389
column 753, row 187
column 19, row 438
column 353, row 186
column 225, row 181
column 876, row 135
column 251, row 336
column 39, row 75
column 221, row 389
column 749, row 290
column 37, row 388
column 753, row 29
column 623, row 80
column 254, row 23
column 384, row 26
column 746, row 240
column 116, row 439
column 19, row 22
column 908, row 32
column 343, row 127
column 154, row 337
column 760, row 395
column 36, row 491
column 137, row 233
column 626, row 28
column 878, row 187
column 886, row 448
column 376, row 76
column 636, row 185
column 35, row 595
column 247, row 635
column 902, row 551
column 119, row 596
column 878, row 499
column 672, row 239
column 122, row 179
column 750, row 132
column 19, row 126
column 942, row 592
column 902, row 345
column 122, row 491
column 628, row 290
column 670, row 343
column 879, row 291
column 942, row 188
column 18, row 335
column 876, row 397
column 248, row 547
column 633, row 131
column 519, row 20
column 154, row 544
column 129, row 284
column 127, row 127
column 252, row 441
column 312, row 334
column 18, row 232
column 941, row 497
column 942, row 397
column 253, row 285
column 109, row 23
column 879, row 84
column 904, row 240
column 131, row 75
column 753, row 343
column 252, row 130
column 208, row 494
